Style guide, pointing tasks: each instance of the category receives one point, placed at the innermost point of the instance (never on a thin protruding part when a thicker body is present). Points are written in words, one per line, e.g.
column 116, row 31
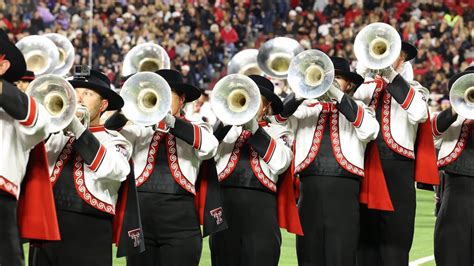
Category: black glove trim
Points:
column 351, row 110
column 220, row 131
column 32, row 114
column 401, row 91
column 90, row 149
column 184, row 130
column 116, row 121
column 263, row 144
column 18, row 105
column 442, row 121
column 290, row 105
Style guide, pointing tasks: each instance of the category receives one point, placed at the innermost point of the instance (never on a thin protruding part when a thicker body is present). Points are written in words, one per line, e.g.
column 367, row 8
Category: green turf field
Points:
column 422, row 245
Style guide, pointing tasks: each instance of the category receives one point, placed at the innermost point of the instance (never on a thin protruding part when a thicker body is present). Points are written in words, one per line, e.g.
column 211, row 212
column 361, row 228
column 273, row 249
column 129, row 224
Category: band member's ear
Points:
column 103, row 105
column 4, row 66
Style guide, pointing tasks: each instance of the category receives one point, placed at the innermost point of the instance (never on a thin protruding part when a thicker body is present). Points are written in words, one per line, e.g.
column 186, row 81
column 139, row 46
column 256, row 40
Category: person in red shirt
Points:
column 229, row 35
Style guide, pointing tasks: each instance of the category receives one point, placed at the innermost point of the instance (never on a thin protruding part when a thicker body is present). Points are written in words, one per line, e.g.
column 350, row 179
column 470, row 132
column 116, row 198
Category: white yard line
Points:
column 421, row 261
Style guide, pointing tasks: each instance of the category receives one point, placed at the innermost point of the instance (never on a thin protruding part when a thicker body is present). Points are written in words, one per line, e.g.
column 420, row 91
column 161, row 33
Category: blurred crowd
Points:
column 201, row 36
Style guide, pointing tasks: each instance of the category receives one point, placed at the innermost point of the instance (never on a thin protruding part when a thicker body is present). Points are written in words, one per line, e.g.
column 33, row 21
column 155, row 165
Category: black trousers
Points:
column 454, row 230
column 85, row 240
column 386, row 237
column 253, row 237
column 172, row 232
column 329, row 213
column 11, row 251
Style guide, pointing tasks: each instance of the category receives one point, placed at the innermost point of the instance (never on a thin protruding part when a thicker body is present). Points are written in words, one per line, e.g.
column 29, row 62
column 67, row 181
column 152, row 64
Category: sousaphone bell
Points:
column 145, row 57
column 311, row 74
column 274, row 56
column 461, row 96
column 58, row 98
column 147, row 98
column 66, row 53
column 244, row 62
column 235, row 99
column 377, row 46
column 41, row 54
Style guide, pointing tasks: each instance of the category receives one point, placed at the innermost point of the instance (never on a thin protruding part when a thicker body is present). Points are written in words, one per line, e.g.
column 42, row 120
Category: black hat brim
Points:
column 17, row 62
column 409, row 50
column 351, row 76
column 115, row 101
column 275, row 101
column 456, row 77
column 190, row 92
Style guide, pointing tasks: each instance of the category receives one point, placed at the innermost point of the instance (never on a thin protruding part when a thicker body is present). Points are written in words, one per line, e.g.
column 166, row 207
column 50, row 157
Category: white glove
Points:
column 298, row 98
column 335, row 93
column 389, row 73
column 169, row 120
column 251, row 125
column 361, row 69
column 75, row 127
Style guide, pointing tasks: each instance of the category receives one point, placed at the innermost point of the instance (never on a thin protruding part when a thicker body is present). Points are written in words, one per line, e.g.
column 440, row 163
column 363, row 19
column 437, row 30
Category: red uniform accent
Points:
column 173, row 163
column 8, row 186
column 197, row 137
column 83, row 192
column 408, row 99
column 32, row 115
column 36, row 210
column 200, row 199
column 460, row 145
column 254, row 160
column 151, row 158
column 336, row 145
column 63, row 158
column 120, row 209
column 288, row 216
column 98, row 158
column 270, row 151
column 235, row 156
column 317, row 138
column 360, row 116
column 387, row 128
column 95, row 129
column 374, row 191
column 426, row 169
column 29, row 78
column 280, row 118
column 434, row 126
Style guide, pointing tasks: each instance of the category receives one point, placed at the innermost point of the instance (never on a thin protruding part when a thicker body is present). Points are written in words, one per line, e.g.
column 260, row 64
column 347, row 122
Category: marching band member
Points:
column 166, row 170
column 86, row 170
column 248, row 161
column 23, row 124
column 401, row 110
column 454, row 135
column 331, row 138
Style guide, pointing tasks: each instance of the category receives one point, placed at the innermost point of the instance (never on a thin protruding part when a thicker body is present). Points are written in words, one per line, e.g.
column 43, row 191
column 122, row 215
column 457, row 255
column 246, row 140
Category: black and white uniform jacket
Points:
column 348, row 138
column 267, row 153
column 453, row 136
column 22, row 125
column 97, row 162
column 186, row 145
column 402, row 106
